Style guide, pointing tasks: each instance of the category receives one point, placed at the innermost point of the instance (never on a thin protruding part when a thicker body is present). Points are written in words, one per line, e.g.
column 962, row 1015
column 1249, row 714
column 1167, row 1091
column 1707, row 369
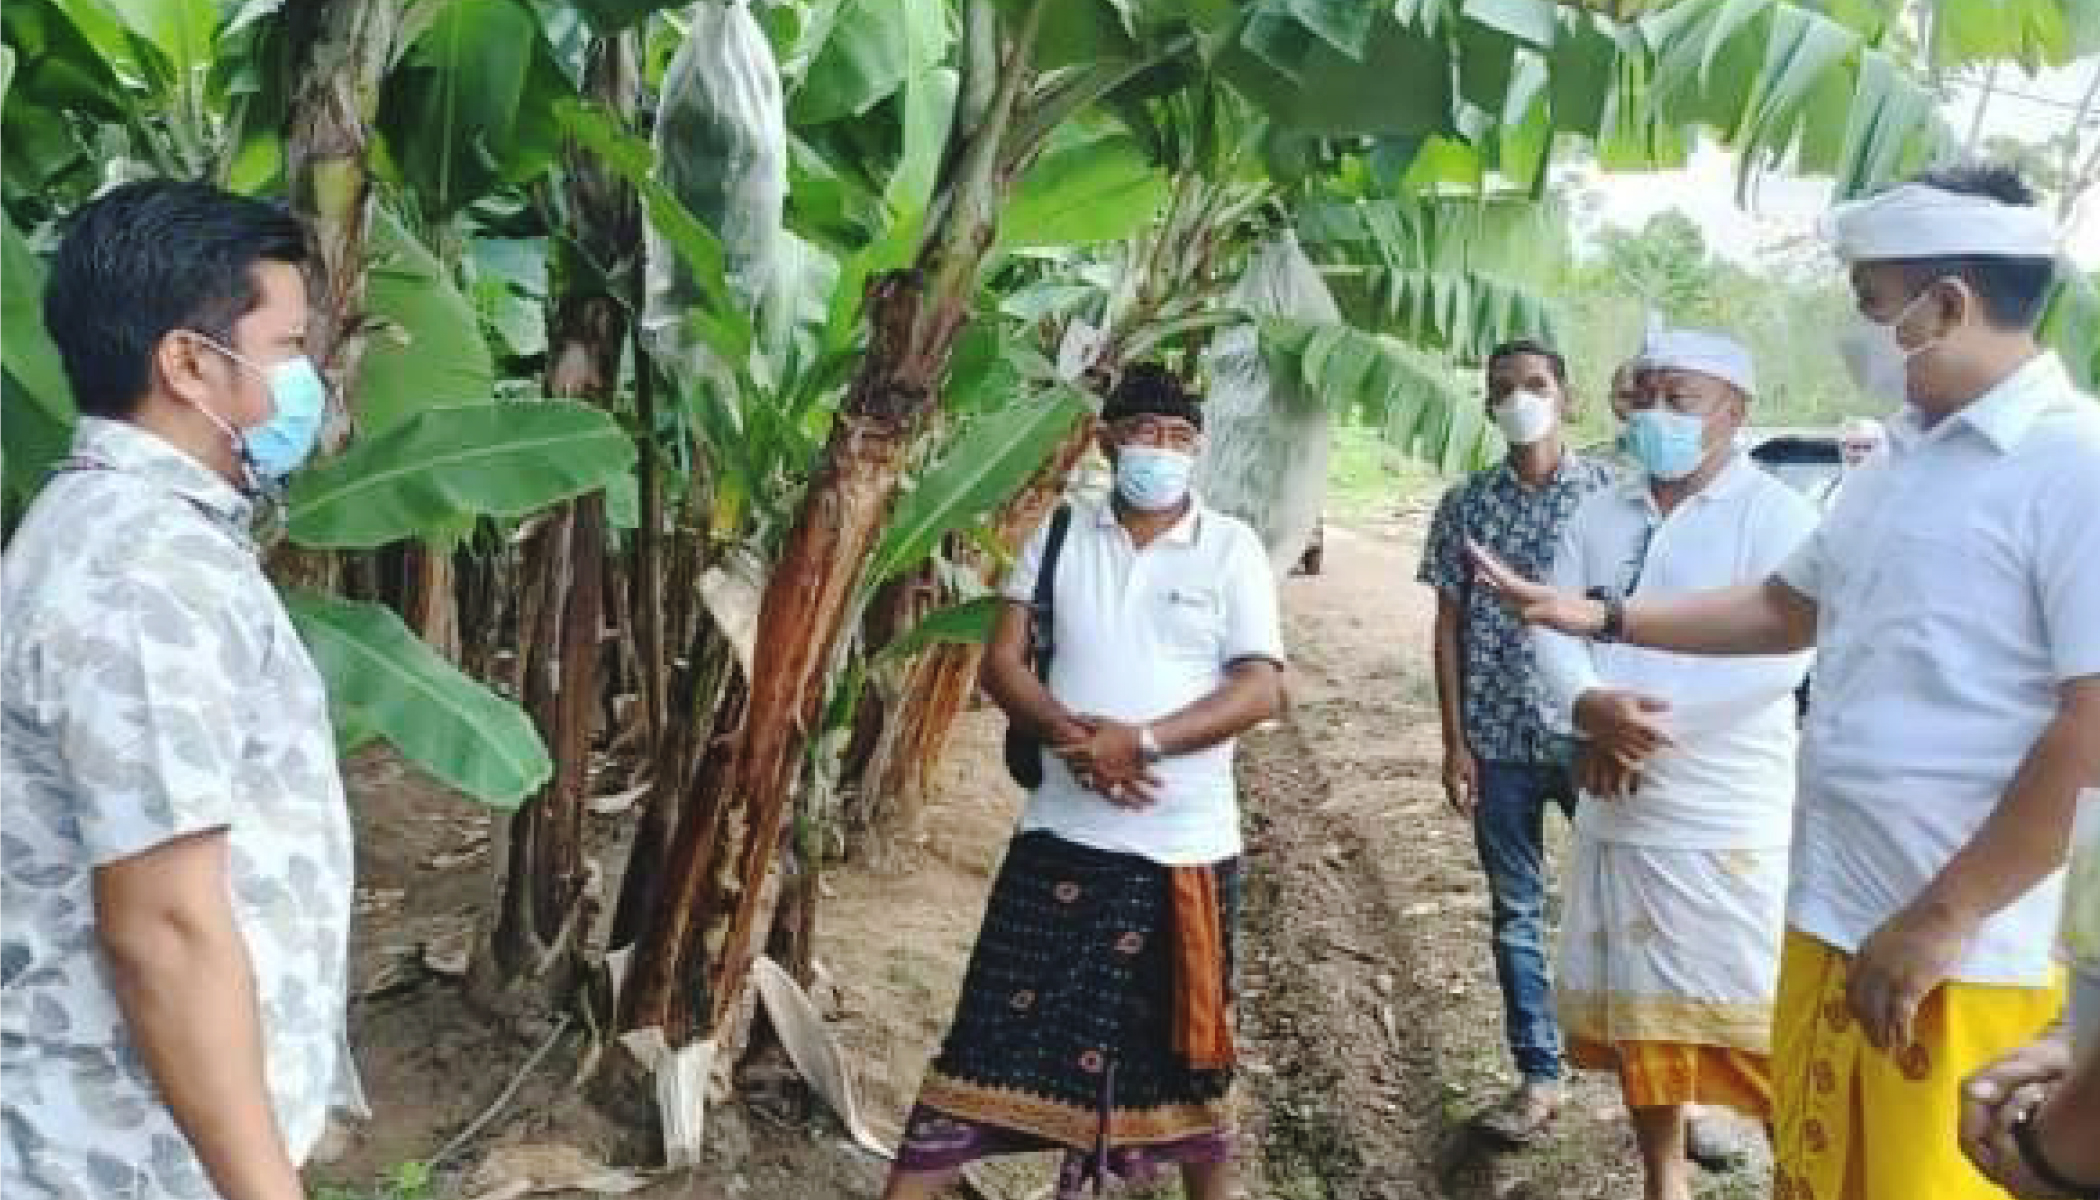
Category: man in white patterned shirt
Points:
column 177, row 872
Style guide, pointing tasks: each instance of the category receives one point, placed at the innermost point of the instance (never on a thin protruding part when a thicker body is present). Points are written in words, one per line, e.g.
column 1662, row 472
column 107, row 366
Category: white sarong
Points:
column 1666, row 944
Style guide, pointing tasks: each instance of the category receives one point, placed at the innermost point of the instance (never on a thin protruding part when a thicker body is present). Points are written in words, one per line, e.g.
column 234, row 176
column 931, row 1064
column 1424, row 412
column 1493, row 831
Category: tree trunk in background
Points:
column 694, row 957
column 890, row 792
column 342, row 49
column 543, row 907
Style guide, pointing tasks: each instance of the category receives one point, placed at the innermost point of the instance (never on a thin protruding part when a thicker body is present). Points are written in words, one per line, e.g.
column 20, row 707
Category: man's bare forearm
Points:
column 2027, row 835
column 1251, row 694
column 1014, row 686
column 1024, row 699
column 1755, row 618
column 1447, row 681
column 187, row 992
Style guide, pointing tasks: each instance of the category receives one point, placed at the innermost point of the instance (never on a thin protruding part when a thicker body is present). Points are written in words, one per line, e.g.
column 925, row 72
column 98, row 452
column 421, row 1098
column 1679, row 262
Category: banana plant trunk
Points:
column 695, row 955
column 936, row 687
column 543, row 905
column 342, row 48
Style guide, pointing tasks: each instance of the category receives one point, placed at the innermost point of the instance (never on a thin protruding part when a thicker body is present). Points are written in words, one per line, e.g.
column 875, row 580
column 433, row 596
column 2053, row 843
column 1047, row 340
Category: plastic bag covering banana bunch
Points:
column 721, row 148
column 1266, row 461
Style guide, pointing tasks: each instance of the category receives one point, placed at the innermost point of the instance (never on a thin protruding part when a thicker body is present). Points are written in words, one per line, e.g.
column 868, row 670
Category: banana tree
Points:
column 109, row 92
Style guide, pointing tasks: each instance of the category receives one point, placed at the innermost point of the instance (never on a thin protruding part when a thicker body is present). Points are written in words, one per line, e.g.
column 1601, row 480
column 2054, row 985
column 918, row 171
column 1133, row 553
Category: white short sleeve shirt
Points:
column 1957, row 588
column 1728, row 781
column 155, row 688
column 1139, row 635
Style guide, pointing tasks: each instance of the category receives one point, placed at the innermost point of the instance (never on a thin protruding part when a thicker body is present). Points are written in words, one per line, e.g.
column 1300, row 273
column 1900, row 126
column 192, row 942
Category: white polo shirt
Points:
column 1139, row 635
column 1728, row 782
column 1957, row 588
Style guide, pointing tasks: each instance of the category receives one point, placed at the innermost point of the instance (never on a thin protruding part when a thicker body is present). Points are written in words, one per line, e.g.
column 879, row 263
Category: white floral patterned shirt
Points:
column 152, row 687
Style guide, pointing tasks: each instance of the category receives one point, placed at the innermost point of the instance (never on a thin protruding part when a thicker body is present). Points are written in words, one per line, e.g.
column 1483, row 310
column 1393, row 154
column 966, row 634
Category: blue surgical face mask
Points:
column 1668, row 445
column 298, row 401
column 1151, row 478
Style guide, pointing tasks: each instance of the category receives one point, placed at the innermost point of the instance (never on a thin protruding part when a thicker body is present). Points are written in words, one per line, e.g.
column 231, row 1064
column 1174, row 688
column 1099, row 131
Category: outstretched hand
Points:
column 1535, row 603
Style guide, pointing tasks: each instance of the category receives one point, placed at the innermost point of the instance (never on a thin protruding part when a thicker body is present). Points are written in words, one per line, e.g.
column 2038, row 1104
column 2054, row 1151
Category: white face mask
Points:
column 1526, row 417
column 1877, row 360
column 1153, row 479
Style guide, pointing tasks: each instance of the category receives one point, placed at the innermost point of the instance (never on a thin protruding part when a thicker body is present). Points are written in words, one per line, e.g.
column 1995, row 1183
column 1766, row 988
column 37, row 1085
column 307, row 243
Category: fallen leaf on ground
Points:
column 513, row 1171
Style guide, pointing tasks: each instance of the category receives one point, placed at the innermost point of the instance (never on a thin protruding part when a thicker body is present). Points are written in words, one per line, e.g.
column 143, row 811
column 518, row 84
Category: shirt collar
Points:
column 1183, row 533
column 2002, row 415
column 1740, row 473
column 1564, row 471
column 122, row 446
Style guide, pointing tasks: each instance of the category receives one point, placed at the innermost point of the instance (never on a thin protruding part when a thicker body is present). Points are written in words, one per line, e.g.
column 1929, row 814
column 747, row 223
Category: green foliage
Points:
column 471, row 104
column 442, row 468
column 425, row 348
column 967, row 623
column 1417, row 400
column 39, row 418
column 1086, row 190
column 1369, row 479
column 979, row 471
column 1786, row 313
column 385, row 680
column 2072, row 328
column 406, row 1181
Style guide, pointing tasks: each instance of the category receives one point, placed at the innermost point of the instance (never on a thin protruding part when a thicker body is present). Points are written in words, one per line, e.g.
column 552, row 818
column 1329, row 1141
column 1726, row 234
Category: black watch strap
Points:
column 1614, row 627
column 2028, row 1140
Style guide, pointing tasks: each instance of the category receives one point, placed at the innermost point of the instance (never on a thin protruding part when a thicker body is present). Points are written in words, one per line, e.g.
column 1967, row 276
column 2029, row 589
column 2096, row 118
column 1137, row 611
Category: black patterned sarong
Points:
column 1064, row 1037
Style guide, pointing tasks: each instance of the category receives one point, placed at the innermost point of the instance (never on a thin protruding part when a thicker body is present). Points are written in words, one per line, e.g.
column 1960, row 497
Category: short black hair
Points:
column 2013, row 290
column 148, row 257
column 1151, row 390
column 1532, row 346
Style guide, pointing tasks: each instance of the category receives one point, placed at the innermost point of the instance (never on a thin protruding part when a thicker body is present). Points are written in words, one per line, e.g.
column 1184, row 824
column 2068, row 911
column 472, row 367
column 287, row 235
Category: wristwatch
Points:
column 1148, row 746
column 1614, row 627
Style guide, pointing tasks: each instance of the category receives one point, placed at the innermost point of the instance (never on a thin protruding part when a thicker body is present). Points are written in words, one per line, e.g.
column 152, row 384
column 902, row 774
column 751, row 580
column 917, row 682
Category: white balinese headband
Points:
column 1914, row 220
column 1707, row 353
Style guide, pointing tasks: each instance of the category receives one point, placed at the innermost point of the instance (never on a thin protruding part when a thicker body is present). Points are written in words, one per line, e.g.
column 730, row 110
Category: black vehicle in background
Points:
column 1807, row 460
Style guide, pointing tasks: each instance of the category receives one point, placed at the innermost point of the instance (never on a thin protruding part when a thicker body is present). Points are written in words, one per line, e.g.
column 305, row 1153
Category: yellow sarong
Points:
column 1855, row 1123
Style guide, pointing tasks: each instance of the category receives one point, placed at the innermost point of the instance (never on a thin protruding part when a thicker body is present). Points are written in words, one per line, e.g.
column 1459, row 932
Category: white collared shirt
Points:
column 1139, row 635
column 1957, row 589
column 1728, row 782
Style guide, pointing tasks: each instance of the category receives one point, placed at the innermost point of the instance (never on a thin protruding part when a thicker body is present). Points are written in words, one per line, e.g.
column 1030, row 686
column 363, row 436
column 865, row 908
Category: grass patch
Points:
column 407, row 1181
column 1367, row 479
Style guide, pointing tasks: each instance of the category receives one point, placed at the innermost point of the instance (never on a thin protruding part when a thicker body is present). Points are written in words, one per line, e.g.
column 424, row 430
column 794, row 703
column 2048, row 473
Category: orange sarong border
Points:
column 1655, row 1074
column 1067, row 1124
column 1202, row 1017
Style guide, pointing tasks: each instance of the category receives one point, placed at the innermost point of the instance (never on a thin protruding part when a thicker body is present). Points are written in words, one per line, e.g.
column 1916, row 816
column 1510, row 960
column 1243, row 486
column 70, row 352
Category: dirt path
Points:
column 1371, row 1023
column 1373, row 989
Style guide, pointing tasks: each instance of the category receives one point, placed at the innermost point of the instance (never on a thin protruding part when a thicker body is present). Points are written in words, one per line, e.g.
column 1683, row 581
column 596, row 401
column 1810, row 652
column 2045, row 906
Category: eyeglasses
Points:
column 1158, row 432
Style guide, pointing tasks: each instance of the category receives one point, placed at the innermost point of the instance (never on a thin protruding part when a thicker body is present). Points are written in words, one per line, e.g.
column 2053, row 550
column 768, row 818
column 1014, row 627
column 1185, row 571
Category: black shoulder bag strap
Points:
column 1024, row 754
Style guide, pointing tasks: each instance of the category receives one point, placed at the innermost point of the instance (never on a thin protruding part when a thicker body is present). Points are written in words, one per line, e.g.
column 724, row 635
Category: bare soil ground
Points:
column 1371, row 1023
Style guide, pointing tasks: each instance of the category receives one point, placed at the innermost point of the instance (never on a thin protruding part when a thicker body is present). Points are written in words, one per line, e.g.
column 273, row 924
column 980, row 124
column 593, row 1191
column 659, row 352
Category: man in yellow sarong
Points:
column 1953, row 598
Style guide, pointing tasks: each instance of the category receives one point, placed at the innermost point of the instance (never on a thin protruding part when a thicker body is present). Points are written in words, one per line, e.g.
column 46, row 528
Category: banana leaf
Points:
column 426, row 474
column 384, row 681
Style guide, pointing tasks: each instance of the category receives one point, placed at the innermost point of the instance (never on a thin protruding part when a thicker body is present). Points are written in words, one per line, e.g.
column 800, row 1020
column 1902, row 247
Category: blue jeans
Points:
column 1510, row 831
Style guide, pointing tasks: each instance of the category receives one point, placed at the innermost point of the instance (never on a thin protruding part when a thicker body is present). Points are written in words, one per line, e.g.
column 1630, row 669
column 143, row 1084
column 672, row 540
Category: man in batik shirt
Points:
column 1502, row 766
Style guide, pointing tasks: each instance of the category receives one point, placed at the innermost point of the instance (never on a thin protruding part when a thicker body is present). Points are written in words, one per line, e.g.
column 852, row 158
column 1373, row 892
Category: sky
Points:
column 1783, row 209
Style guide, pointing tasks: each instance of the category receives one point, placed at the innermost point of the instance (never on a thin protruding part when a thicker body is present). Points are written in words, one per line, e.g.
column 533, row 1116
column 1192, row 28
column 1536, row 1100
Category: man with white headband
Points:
column 1954, row 600
column 1676, row 894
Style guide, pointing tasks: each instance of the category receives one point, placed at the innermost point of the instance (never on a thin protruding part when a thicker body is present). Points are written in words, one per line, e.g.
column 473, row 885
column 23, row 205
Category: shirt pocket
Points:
column 1192, row 621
